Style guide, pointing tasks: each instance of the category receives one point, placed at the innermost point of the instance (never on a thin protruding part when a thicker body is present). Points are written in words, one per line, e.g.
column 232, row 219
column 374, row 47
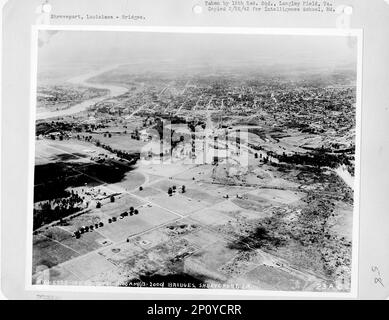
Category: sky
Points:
column 110, row 47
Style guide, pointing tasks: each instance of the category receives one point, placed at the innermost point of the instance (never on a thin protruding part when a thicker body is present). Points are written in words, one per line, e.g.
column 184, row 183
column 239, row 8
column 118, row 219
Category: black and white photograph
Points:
column 201, row 160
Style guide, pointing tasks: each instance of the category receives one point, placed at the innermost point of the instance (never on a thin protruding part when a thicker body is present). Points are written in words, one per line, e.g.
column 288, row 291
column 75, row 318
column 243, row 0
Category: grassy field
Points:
column 120, row 141
column 49, row 253
column 271, row 278
column 88, row 266
column 147, row 218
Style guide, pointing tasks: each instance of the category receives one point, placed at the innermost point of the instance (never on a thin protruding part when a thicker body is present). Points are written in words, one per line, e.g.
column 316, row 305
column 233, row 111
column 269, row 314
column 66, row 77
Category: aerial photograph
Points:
column 197, row 161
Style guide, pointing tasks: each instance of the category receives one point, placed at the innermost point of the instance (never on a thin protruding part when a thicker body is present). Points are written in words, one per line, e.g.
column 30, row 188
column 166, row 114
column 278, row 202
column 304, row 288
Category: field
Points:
column 199, row 234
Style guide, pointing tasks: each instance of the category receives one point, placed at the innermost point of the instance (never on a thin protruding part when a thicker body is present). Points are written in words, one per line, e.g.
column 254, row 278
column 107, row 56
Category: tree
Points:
column 98, row 205
column 140, row 188
column 131, row 209
column 112, row 198
column 183, row 189
column 136, row 211
column 170, row 192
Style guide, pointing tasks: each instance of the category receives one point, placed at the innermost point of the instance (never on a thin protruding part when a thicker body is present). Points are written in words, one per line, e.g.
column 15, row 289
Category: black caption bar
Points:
column 194, row 309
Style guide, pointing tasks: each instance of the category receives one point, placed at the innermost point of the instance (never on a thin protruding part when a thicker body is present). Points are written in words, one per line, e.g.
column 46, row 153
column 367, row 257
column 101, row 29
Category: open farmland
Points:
column 245, row 240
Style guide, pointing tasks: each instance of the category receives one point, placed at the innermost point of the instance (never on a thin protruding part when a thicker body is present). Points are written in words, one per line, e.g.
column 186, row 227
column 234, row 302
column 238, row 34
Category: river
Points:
column 82, row 80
